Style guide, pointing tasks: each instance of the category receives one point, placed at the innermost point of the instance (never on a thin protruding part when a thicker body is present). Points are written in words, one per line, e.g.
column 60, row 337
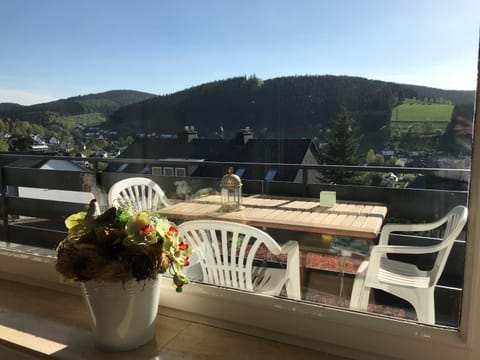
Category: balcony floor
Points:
column 38, row 323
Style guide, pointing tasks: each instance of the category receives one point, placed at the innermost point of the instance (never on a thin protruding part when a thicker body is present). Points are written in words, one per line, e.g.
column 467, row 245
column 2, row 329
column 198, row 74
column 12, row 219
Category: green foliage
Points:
column 3, row 145
column 393, row 161
column 341, row 149
column 20, row 143
column 95, row 106
column 373, row 158
column 88, row 119
column 379, row 159
column 419, row 124
column 285, row 107
column 457, row 138
column 3, row 125
column 370, row 158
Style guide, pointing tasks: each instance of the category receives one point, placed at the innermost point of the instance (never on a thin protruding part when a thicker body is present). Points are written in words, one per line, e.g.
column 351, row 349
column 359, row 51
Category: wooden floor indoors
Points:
column 36, row 323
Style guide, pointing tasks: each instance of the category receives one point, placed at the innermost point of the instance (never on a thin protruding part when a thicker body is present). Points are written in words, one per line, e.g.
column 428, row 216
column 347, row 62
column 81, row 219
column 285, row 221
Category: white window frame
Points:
column 181, row 172
column 168, row 171
column 157, row 171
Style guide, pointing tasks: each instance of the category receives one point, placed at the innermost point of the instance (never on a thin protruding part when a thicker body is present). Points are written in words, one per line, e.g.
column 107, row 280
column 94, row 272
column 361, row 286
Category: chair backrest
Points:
column 454, row 222
column 143, row 194
column 226, row 250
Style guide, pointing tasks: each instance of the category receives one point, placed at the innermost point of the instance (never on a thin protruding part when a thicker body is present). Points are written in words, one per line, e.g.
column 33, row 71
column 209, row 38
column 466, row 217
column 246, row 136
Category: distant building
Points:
column 53, row 141
column 39, row 147
column 47, row 194
column 243, row 148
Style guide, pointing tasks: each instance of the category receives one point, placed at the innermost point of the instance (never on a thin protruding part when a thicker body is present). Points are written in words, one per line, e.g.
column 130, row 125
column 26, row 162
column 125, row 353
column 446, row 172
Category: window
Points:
column 157, row 171
column 270, row 175
column 180, row 172
column 353, row 127
column 168, row 171
column 240, row 171
column 122, row 168
column 146, row 169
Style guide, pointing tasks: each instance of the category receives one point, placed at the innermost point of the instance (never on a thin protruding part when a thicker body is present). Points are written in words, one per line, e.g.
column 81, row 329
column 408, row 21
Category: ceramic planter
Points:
column 122, row 314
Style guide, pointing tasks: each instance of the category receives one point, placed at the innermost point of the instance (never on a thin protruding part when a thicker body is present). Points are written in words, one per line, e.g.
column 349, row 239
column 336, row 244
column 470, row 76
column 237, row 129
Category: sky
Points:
column 51, row 49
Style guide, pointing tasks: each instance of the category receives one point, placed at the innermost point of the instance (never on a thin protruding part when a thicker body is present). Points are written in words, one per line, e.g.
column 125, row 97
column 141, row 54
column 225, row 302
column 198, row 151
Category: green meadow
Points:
column 436, row 115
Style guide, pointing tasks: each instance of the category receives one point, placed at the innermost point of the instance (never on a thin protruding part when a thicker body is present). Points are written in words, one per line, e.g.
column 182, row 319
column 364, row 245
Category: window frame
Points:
column 339, row 331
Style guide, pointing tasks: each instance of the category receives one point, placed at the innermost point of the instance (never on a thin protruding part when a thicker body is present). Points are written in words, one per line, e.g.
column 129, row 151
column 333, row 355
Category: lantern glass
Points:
column 231, row 191
column 232, row 197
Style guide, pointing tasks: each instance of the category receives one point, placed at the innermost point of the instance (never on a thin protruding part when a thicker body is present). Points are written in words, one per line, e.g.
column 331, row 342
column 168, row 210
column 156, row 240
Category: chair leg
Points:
column 425, row 308
column 360, row 293
column 292, row 286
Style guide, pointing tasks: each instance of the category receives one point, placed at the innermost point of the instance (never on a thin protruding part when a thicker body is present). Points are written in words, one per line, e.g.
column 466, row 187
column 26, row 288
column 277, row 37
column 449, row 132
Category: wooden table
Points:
column 346, row 218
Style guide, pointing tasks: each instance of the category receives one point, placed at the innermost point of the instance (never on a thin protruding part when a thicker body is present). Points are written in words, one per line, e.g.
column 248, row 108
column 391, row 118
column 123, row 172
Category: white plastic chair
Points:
column 226, row 253
column 143, row 193
column 405, row 280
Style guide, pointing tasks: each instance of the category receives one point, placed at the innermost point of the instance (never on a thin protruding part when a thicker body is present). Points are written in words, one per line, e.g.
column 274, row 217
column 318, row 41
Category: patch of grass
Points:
column 422, row 113
column 84, row 119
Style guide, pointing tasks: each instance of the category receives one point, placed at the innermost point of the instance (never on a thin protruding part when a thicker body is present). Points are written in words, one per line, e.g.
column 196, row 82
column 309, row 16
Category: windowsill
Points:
column 38, row 323
column 320, row 328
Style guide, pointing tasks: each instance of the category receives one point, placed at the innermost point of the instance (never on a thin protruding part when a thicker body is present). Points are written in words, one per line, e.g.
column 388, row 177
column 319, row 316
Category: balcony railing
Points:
column 38, row 220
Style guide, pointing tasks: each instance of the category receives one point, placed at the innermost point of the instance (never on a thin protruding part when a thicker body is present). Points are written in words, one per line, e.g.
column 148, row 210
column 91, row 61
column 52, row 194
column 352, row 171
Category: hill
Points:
column 9, row 106
column 99, row 106
column 295, row 106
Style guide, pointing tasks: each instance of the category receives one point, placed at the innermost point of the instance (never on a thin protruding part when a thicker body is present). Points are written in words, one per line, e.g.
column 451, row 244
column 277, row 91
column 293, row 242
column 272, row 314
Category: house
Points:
column 38, row 143
column 53, row 140
column 39, row 147
column 48, row 194
column 242, row 148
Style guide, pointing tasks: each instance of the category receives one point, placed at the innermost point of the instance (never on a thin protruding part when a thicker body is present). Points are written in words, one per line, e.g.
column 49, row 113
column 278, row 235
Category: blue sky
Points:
column 54, row 49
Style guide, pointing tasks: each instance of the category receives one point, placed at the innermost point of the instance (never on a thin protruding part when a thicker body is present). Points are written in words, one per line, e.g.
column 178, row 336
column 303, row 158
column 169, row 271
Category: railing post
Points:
column 3, row 193
column 305, row 181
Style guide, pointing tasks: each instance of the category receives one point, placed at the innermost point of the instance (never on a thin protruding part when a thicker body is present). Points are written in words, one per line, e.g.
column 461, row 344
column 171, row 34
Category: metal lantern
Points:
column 231, row 186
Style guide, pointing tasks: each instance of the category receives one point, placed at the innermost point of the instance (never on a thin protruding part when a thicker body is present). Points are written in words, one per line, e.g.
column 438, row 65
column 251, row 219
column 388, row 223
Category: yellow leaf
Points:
column 75, row 219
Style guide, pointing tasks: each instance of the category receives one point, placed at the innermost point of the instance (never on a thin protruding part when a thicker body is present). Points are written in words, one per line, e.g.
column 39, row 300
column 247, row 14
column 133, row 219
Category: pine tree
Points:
column 341, row 148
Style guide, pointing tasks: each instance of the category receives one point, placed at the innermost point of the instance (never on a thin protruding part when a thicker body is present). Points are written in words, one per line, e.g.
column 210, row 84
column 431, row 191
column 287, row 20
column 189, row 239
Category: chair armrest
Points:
column 389, row 228
column 402, row 249
column 290, row 247
column 379, row 250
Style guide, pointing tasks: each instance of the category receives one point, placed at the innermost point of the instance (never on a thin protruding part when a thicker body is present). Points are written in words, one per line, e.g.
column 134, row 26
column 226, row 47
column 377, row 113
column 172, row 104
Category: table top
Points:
column 346, row 218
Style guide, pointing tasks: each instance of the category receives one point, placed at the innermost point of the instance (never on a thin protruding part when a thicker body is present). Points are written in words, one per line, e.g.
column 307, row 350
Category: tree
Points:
column 393, row 161
column 3, row 125
column 341, row 148
column 3, row 145
column 379, row 159
column 20, row 143
column 370, row 158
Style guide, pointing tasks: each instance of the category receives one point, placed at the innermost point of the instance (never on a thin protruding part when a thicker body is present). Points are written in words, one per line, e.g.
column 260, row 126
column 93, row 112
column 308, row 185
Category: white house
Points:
column 62, row 195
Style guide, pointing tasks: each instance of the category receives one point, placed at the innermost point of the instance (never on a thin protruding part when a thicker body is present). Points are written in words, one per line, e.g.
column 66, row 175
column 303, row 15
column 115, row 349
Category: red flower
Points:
column 182, row 246
column 187, row 262
column 147, row 229
column 172, row 230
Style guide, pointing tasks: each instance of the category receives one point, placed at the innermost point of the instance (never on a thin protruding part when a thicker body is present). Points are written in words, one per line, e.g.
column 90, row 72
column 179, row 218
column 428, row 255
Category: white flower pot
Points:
column 122, row 314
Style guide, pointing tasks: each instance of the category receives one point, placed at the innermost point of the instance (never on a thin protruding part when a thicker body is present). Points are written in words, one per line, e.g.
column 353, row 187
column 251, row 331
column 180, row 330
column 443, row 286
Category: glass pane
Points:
column 378, row 131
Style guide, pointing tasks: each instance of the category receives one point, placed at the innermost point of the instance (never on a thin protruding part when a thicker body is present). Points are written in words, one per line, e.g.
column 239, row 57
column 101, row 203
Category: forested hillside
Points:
column 285, row 107
column 295, row 106
column 101, row 104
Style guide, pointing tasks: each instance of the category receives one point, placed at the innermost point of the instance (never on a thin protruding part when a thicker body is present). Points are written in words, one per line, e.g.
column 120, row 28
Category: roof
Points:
column 36, row 162
column 288, row 151
column 438, row 183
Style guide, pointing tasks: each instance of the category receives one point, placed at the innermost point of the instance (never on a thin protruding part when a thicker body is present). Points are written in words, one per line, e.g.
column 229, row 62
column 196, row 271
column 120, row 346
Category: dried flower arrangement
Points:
column 121, row 244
